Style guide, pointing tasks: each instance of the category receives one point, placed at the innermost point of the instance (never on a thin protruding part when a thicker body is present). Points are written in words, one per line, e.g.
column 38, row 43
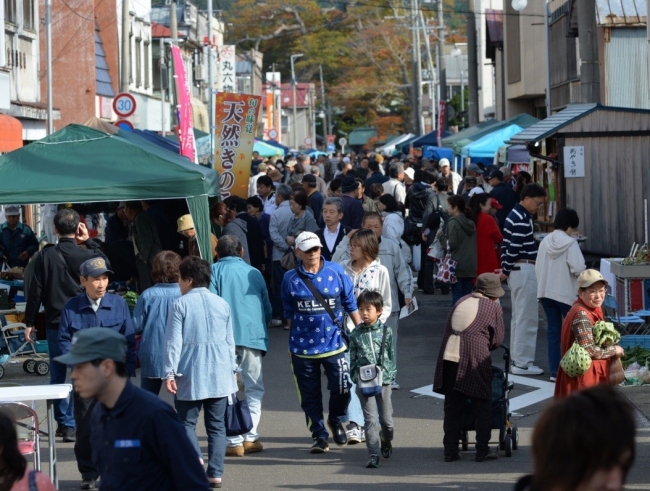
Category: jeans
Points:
column 377, row 411
column 152, row 385
column 307, row 375
column 250, row 361
column 555, row 313
column 83, row 409
column 461, row 288
column 525, row 317
column 355, row 413
column 63, row 408
column 454, row 404
column 276, row 301
column 214, row 414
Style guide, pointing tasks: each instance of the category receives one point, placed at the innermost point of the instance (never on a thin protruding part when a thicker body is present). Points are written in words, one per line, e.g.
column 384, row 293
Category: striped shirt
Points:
column 518, row 241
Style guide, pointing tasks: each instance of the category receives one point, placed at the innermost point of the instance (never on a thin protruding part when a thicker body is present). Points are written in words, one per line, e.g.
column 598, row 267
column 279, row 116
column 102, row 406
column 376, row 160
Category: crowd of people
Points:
column 329, row 251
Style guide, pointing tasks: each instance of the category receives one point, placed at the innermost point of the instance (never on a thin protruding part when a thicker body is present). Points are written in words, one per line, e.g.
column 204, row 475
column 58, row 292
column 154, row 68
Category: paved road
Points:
column 417, row 461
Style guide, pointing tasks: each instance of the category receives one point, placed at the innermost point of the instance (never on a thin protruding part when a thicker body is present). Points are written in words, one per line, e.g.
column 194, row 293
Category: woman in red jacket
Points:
column 488, row 235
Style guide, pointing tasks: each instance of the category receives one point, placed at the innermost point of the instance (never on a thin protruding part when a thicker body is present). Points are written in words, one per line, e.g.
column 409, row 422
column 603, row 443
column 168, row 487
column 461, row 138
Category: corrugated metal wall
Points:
column 626, row 68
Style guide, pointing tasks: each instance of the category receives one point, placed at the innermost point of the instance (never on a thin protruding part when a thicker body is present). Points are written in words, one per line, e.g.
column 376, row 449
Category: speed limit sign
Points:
column 124, row 105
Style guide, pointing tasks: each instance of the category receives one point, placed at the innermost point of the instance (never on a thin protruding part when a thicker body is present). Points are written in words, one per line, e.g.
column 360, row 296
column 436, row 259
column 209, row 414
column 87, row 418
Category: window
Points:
column 11, row 14
column 147, row 57
column 28, row 14
column 138, row 62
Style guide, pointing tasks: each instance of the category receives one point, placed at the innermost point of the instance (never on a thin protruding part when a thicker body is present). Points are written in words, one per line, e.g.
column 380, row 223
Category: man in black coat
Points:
column 334, row 231
column 254, row 232
column 504, row 194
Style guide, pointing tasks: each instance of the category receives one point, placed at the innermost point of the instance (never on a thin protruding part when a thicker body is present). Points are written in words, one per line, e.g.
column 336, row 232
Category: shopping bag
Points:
column 576, row 361
column 447, row 270
column 416, row 260
column 436, row 251
column 238, row 416
column 616, row 372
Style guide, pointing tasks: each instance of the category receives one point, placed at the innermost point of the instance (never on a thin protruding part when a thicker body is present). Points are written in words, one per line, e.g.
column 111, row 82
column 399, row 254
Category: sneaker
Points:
column 362, row 432
column 353, row 435
column 529, row 369
column 320, row 446
column 489, row 456
column 451, row 458
column 373, row 461
column 88, row 484
column 236, row 451
column 253, row 447
column 215, row 482
column 338, row 433
column 395, row 386
column 552, row 378
column 386, row 447
column 70, row 436
column 276, row 323
column 60, row 429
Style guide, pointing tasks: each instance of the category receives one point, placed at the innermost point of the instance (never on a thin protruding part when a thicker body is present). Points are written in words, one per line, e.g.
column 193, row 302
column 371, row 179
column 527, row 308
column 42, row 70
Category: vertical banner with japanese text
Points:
column 228, row 63
column 442, row 107
column 236, row 124
column 183, row 110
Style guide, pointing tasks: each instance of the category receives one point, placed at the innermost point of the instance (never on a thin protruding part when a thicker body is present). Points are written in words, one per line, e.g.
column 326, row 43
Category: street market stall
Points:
column 78, row 164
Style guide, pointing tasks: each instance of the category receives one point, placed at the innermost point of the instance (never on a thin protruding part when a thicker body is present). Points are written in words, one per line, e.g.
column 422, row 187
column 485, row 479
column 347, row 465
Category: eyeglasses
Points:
column 596, row 293
column 538, row 203
column 353, row 245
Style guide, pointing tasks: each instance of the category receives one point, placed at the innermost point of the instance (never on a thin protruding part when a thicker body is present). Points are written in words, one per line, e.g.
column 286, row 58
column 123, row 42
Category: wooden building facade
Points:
column 610, row 197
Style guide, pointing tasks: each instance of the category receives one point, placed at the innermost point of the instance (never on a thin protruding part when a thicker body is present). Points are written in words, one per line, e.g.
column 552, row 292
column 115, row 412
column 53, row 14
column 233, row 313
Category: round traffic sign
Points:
column 331, row 147
column 273, row 133
column 308, row 141
column 124, row 105
column 124, row 125
column 343, row 142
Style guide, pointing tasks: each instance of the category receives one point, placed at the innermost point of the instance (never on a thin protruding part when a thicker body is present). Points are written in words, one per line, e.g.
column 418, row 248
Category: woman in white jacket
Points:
column 559, row 263
column 366, row 273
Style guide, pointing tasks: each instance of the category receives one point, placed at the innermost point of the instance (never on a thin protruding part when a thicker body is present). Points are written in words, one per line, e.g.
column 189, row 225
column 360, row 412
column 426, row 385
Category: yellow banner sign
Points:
column 236, row 123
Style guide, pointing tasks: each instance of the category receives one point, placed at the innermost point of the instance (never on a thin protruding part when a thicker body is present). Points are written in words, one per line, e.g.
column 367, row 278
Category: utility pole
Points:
column 442, row 69
column 472, row 64
column 173, row 21
column 126, row 47
column 163, row 73
column 432, row 97
column 48, row 42
column 415, row 57
column 322, row 104
column 295, row 113
column 210, row 87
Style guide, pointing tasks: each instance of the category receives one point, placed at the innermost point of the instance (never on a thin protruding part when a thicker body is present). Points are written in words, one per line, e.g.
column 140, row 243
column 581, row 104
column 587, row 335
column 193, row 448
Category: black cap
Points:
column 496, row 174
column 309, row 179
column 349, row 184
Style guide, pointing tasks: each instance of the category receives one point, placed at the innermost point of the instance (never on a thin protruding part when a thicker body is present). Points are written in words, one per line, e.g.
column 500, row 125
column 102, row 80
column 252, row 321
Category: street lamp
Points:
column 293, row 88
column 458, row 54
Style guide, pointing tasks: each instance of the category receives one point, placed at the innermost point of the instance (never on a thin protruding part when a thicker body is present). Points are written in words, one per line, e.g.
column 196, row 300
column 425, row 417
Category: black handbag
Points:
column 238, row 416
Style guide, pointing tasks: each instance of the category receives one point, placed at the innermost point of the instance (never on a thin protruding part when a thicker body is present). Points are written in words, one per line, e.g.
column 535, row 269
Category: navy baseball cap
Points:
column 94, row 267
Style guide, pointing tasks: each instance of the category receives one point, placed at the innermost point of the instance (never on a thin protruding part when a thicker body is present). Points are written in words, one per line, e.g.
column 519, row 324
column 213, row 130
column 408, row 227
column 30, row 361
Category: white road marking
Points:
column 545, row 390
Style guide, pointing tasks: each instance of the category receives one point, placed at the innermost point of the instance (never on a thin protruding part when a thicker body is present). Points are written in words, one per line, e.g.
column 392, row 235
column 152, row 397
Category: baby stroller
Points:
column 16, row 346
column 501, row 387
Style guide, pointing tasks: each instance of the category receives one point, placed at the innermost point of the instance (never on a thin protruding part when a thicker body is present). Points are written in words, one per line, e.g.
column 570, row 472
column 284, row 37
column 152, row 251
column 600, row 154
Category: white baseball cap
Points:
column 476, row 190
column 443, row 163
column 307, row 240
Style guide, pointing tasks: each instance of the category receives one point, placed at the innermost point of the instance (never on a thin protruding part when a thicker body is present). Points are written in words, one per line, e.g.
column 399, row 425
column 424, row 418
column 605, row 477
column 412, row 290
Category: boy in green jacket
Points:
column 366, row 349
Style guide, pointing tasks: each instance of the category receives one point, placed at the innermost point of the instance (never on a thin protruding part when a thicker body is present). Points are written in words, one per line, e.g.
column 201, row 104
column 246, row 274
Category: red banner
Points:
column 183, row 108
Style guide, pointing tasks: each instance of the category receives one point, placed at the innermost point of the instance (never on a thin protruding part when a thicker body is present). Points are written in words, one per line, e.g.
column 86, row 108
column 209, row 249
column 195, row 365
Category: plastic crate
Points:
column 41, row 346
column 632, row 341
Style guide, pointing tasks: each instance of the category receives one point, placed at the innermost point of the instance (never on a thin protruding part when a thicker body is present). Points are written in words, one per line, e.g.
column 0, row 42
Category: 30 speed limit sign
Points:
column 124, row 105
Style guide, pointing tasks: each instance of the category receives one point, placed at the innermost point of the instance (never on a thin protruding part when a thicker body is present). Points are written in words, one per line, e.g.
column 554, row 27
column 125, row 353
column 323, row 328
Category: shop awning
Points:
column 11, row 133
column 551, row 125
column 488, row 146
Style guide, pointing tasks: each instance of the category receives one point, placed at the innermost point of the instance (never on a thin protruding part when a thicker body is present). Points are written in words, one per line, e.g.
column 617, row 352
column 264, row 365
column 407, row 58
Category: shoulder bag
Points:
column 447, row 270
column 317, row 295
column 289, row 260
column 370, row 379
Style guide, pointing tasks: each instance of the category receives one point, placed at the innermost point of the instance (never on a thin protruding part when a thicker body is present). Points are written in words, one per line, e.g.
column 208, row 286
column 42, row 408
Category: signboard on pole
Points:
column 331, row 138
column 123, row 124
column 343, row 142
column 124, row 105
column 273, row 134
column 228, row 60
column 236, row 121
column 183, row 111
column 331, row 147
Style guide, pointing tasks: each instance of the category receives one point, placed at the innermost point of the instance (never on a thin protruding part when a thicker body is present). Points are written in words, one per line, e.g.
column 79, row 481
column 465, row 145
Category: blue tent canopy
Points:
column 488, row 145
column 429, row 139
column 274, row 143
column 437, row 153
column 159, row 140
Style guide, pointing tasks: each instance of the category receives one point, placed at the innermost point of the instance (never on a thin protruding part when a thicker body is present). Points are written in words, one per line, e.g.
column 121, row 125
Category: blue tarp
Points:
column 159, row 140
column 488, row 145
column 437, row 153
